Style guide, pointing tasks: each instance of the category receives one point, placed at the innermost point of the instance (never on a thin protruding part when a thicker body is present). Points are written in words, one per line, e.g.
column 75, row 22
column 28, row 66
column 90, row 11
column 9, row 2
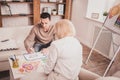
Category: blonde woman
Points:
column 64, row 54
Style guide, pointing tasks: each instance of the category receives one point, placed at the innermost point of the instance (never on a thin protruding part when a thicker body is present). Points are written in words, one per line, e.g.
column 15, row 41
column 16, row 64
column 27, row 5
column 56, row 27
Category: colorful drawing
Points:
column 113, row 20
column 29, row 66
column 117, row 23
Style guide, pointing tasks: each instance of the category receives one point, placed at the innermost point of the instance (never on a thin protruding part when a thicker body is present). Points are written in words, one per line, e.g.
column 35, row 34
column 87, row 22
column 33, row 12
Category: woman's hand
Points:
column 45, row 51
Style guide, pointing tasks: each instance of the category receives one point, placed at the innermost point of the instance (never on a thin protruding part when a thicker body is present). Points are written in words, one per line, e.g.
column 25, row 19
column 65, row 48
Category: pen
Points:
column 5, row 40
column 15, row 57
column 12, row 59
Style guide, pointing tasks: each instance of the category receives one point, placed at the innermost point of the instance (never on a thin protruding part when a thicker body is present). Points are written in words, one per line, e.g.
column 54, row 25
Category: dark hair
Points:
column 45, row 15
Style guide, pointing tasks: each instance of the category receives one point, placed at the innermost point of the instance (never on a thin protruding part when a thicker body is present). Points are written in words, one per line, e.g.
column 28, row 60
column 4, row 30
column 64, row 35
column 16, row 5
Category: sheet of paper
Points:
column 34, row 56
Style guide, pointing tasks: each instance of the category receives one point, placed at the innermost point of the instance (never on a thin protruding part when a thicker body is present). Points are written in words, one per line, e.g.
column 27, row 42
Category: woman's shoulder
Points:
column 64, row 40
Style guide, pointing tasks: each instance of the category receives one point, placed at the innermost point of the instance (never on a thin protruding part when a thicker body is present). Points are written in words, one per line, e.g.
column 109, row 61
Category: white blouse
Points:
column 65, row 57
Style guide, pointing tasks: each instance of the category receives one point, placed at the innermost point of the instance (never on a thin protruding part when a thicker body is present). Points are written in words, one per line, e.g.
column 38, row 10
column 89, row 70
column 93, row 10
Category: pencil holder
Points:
column 15, row 64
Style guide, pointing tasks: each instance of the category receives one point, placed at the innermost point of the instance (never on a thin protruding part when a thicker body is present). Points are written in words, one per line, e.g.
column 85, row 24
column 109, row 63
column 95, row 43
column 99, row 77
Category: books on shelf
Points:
column 60, row 9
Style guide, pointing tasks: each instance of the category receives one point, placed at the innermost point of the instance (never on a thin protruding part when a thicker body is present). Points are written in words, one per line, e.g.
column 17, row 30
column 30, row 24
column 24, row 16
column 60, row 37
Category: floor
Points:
column 4, row 75
column 96, row 64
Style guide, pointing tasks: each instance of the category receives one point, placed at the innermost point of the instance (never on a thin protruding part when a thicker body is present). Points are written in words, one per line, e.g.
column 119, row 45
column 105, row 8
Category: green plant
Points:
column 105, row 13
column 54, row 10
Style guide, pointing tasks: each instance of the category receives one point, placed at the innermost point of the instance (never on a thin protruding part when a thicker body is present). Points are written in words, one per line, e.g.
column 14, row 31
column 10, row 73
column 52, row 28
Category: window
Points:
column 96, row 8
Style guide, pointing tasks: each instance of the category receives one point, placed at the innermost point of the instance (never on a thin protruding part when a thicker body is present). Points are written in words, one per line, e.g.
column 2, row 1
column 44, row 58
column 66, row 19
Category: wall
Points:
column 78, row 18
column 82, row 25
column 87, row 29
column 98, row 7
column 16, row 9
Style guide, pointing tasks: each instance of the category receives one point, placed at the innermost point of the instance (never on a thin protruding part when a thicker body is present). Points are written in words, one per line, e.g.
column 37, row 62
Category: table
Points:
column 21, row 71
column 4, row 63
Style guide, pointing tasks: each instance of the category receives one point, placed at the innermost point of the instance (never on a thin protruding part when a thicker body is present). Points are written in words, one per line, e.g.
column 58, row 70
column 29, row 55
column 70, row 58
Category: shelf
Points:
column 18, row 15
column 57, row 15
column 17, row 2
column 35, row 10
column 53, row 2
column 96, row 20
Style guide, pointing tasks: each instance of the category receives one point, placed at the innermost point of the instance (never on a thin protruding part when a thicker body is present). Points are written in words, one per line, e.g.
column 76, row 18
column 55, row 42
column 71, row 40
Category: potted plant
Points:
column 105, row 13
column 54, row 11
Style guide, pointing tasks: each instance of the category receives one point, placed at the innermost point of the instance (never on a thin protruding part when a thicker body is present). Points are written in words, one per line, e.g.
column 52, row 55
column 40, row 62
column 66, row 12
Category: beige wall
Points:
column 78, row 18
column 87, row 29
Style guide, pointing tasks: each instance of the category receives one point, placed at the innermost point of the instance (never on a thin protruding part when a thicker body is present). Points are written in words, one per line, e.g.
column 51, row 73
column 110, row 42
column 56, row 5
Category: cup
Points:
column 15, row 64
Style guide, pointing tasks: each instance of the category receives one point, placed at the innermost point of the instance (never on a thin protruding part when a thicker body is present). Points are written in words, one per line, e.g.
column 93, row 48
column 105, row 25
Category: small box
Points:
column 47, row 9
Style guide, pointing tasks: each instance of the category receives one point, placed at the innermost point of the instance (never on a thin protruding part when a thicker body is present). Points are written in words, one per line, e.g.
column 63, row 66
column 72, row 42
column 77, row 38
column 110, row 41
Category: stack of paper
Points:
column 34, row 56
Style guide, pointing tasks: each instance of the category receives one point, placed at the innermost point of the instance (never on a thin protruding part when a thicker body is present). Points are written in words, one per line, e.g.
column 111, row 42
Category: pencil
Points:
column 15, row 57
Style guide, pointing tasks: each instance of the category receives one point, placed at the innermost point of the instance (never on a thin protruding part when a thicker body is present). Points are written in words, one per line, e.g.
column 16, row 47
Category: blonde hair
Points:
column 64, row 28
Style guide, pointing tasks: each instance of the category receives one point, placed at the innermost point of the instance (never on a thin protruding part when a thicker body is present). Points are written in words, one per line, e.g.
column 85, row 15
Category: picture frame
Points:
column 95, row 15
